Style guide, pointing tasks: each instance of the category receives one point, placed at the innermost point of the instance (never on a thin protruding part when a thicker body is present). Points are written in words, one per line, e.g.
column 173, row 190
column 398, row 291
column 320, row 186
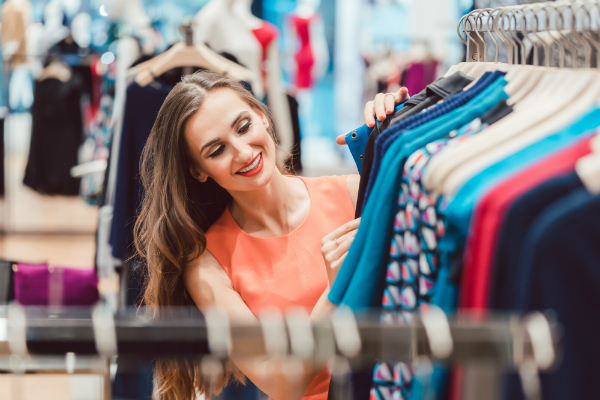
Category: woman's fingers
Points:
column 369, row 114
column 341, row 231
column 401, row 95
column 379, row 106
column 389, row 101
column 382, row 105
column 341, row 139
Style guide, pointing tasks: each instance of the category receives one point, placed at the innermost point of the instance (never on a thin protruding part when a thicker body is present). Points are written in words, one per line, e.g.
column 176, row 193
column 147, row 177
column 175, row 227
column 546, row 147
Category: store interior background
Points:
column 61, row 230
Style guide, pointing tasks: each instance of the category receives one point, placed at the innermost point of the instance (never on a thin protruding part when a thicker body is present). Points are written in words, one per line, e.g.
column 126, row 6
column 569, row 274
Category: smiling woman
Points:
column 224, row 225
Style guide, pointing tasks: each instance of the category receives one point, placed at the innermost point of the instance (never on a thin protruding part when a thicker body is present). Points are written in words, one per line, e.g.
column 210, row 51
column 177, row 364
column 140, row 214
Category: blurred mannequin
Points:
column 308, row 55
column 80, row 29
column 270, row 72
column 53, row 30
column 15, row 18
column 223, row 30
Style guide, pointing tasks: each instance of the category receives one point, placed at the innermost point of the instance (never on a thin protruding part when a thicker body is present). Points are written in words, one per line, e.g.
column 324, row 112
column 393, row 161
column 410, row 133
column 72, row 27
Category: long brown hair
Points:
column 176, row 212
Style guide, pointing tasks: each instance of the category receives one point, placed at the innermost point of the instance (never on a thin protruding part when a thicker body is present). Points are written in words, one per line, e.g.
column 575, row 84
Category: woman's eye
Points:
column 217, row 152
column 245, row 127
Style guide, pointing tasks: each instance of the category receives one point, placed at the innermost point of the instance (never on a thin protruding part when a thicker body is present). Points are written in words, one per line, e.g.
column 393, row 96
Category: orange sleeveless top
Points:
column 285, row 271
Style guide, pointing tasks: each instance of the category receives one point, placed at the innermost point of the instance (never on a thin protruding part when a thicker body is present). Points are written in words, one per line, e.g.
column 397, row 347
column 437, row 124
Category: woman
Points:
column 223, row 225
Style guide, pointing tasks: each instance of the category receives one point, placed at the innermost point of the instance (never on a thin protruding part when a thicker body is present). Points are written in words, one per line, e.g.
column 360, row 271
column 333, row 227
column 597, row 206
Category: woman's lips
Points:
column 256, row 169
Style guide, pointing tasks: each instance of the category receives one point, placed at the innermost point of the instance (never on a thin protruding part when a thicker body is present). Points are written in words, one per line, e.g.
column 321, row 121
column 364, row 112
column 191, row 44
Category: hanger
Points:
column 575, row 7
column 457, row 67
column 549, row 110
column 481, row 67
column 189, row 55
column 529, row 76
column 586, row 32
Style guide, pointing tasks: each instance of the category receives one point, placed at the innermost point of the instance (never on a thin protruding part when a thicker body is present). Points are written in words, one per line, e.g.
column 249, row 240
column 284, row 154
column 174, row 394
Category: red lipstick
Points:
column 256, row 169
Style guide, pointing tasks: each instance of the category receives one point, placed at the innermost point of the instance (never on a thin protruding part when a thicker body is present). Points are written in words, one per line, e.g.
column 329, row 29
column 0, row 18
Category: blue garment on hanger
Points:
column 357, row 141
column 388, row 137
column 363, row 269
column 457, row 210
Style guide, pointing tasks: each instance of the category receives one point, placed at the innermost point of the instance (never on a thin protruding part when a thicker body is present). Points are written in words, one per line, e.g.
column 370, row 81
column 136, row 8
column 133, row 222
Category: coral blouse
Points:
column 285, row 271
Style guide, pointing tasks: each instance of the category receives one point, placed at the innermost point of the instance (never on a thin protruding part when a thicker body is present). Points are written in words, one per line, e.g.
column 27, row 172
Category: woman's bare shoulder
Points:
column 352, row 183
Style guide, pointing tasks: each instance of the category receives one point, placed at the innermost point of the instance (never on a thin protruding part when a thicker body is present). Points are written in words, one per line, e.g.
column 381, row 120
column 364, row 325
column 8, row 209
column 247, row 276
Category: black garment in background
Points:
column 440, row 89
column 296, row 160
column 82, row 72
column 7, row 283
column 56, row 134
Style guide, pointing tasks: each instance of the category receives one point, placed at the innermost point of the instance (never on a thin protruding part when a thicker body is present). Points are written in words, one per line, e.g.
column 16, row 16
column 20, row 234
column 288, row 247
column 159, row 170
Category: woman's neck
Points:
column 274, row 210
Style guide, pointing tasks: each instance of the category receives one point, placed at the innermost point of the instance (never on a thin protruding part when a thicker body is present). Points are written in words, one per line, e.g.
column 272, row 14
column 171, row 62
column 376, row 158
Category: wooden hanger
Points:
column 189, row 55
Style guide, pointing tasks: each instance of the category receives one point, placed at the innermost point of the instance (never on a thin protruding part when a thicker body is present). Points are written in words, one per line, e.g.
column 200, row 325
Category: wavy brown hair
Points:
column 176, row 212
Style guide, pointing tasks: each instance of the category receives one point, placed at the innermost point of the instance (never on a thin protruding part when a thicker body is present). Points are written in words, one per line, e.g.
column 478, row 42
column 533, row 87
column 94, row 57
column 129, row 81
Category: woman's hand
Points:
column 379, row 108
column 336, row 245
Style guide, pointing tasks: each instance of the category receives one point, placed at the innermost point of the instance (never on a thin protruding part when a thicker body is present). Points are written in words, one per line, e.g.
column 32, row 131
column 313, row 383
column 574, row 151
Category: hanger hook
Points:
column 548, row 11
column 497, row 30
column 490, row 12
column 564, row 41
column 575, row 8
column 461, row 21
column 539, row 40
column 527, row 9
column 570, row 44
column 507, row 33
column 513, row 33
column 586, row 32
column 470, row 37
column 478, row 20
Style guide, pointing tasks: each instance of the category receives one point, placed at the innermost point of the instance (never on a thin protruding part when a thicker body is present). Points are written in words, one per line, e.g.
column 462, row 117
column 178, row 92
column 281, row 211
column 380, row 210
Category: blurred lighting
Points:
column 107, row 58
column 103, row 11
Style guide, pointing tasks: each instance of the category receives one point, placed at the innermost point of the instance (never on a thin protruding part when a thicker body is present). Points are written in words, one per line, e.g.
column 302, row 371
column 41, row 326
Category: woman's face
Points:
column 229, row 142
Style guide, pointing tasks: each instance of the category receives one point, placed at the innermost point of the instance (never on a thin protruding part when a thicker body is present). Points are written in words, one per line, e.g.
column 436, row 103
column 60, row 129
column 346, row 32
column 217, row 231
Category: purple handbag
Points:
column 48, row 285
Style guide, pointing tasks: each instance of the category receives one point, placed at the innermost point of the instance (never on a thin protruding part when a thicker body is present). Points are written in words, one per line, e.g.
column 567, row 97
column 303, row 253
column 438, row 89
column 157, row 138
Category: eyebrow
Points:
column 239, row 116
column 207, row 145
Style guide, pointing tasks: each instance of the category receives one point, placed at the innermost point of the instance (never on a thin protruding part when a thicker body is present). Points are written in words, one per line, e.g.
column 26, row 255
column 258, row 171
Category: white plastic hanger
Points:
column 190, row 55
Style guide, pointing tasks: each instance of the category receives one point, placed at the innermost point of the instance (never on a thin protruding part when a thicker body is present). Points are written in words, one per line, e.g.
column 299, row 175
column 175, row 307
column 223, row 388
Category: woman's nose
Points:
column 243, row 153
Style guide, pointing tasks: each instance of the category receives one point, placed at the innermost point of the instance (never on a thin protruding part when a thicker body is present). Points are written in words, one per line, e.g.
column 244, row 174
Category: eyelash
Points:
column 221, row 148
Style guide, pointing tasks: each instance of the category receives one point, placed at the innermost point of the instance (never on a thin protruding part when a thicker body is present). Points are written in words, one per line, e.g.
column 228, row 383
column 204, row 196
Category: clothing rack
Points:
column 512, row 25
column 507, row 340
column 85, row 339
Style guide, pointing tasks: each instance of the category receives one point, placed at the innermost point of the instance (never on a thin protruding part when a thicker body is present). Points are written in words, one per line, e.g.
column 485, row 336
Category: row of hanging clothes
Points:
column 63, row 97
column 482, row 192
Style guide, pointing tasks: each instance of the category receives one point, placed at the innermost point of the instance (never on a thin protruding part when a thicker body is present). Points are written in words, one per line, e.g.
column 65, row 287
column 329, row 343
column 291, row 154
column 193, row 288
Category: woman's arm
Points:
column 210, row 286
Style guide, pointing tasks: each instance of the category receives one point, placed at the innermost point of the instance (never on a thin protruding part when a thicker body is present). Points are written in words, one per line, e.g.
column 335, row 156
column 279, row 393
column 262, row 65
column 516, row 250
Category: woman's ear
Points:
column 197, row 175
